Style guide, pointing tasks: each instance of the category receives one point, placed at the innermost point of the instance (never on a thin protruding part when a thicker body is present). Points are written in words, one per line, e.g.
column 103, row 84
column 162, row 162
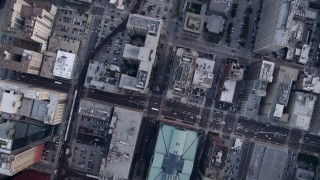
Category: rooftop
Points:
column 193, row 23
column 94, row 109
column 124, row 127
column 304, row 56
column 266, row 71
column 20, row 59
column 30, row 101
column 152, row 25
column 64, row 65
column 118, row 3
column 266, row 163
column 278, row 92
column 101, row 76
column 287, row 26
column 151, row 28
column 228, row 91
column 174, row 153
column 215, row 23
column 203, row 74
column 301, row 109
column 310, row 82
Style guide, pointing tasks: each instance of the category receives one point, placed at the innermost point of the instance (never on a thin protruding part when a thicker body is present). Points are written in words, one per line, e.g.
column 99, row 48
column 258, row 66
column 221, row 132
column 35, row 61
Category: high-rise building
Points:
column 28, row 116
column 32, row 22
column 281, row 24
column 259, row 74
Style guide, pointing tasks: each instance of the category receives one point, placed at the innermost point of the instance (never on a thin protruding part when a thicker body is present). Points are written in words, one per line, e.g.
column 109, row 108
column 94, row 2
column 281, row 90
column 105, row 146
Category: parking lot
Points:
column 70, row 23
column 157, row 9
column 261, row 131
column 216, row 120
column 236, row 162
column 112, row 52
column 229, row 121
column 205, row 117
column 92, row 142
column 294, row 139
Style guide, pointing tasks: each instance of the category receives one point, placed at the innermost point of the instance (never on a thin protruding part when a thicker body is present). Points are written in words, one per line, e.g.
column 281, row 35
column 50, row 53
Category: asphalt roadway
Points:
column 262, row 131
column 57, row 85
column 135, row 102
column 294, row 139
column 311, row 143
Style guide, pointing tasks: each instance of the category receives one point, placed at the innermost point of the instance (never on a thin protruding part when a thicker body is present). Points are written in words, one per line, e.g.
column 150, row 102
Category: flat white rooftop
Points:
column 124, row 127
column 304, row 54
column 64, row 65
column 203, row 75
column 228, row 91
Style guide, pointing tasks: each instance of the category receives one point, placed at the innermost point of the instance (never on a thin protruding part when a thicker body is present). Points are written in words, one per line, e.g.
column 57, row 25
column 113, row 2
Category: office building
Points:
column 174, row 154
column 281, row 24
column 11, row 164
column 32, row 22
column 19, row 59
column 19, row 101
column 146, row 55
column 260, row 73
column 264, row 162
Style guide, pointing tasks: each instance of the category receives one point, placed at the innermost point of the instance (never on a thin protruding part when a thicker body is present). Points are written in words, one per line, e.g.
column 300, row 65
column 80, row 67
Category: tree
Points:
column 143, row 13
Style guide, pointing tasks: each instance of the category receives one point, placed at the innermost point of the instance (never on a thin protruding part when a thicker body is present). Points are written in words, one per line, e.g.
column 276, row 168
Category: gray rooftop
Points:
column 266, row 163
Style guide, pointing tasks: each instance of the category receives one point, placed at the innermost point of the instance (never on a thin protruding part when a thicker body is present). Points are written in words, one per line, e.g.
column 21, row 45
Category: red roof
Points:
column 31, row 174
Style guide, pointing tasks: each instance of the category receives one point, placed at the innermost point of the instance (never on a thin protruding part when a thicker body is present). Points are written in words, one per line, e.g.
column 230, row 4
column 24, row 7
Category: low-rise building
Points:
column 304, row 174
column 215, row 23
column 265, row 162
column 146, row 55
column 301, row 106
column 19, row 101
column 193, row 23
column 92, row 136
column 220, row 6
column 124, row 128
column 232, row 74
column 193, row 76
column 64, row 65
column 213, row 158
column 101, row 76
column 19, row 59
column 174, row 153
column 309, row 82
